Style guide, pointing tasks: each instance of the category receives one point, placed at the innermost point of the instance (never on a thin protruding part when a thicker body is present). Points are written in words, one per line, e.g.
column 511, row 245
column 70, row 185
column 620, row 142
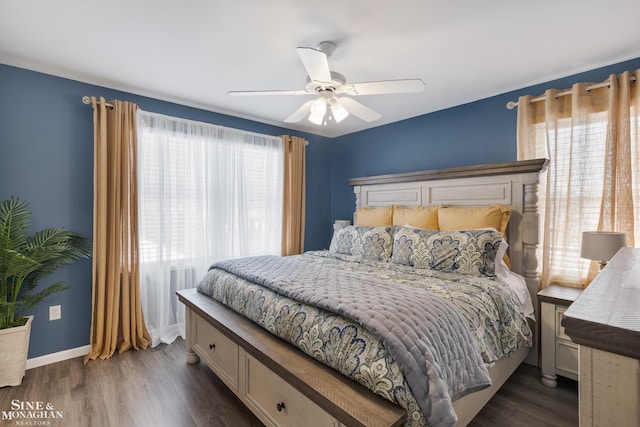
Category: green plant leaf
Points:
column 25, row 260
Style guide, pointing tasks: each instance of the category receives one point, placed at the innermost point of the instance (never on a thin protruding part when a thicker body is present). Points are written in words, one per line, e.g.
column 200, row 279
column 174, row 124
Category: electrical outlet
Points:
column 55, row 312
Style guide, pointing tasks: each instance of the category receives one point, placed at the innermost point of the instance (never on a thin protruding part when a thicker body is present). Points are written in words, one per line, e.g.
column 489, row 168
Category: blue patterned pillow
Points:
column 366, row 242
column 470, row 252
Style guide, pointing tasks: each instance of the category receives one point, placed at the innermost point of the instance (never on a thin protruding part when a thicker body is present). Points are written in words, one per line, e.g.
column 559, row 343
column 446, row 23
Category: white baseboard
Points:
column 57, row 357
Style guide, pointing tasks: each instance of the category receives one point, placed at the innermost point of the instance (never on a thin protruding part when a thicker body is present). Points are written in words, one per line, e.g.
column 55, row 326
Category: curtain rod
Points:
column 87, row 100
column 513, row 104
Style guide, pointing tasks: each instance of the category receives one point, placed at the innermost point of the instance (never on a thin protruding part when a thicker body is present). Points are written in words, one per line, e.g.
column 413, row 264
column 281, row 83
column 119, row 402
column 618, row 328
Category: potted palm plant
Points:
column 24, row 261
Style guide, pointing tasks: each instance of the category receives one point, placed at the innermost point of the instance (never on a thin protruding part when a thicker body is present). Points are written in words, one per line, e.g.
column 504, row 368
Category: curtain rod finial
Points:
column 511, row 105
column 86, row 100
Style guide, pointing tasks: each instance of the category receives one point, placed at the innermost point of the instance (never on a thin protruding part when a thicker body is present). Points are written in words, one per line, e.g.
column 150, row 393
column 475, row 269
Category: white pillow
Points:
column 514, row 280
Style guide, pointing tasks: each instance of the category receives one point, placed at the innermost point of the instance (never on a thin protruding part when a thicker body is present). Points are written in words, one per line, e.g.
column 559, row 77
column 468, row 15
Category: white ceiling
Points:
column 194, row 51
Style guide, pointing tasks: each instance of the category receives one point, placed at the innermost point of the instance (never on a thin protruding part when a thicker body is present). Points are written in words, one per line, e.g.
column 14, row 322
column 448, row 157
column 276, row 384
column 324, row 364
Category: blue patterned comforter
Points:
column 489, row 308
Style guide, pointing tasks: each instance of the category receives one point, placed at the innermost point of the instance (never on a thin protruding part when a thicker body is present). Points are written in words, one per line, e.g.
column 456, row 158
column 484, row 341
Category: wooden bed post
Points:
column 192, row 357
column 530, row 242
column 356, row 190
column 531, row 235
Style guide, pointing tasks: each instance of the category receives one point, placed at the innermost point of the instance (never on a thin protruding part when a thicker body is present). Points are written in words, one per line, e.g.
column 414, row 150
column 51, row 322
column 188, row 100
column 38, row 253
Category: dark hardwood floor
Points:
column 156, row 387
column 523, row 401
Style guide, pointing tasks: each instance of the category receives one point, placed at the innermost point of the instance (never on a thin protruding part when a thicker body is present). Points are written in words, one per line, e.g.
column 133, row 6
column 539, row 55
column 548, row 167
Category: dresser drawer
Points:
column 278, row 402
column 559, row 355
column 218, row 352
column 567, row 359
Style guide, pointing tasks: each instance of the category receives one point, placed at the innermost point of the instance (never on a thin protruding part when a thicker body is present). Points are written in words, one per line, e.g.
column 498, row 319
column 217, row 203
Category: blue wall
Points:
column 46, row 158
column 476, row 133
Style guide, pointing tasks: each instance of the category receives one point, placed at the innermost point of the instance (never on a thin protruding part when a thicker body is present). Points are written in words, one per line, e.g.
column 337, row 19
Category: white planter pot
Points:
column 14, row 347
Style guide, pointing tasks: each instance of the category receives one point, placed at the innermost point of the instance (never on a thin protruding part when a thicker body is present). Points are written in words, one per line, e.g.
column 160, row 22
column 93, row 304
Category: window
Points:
column 590, row 136
column 206, row 193
column 577, row 183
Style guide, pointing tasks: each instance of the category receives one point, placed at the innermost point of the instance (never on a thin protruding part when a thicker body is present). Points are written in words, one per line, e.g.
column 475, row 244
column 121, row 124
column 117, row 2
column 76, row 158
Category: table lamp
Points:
column 601, row 245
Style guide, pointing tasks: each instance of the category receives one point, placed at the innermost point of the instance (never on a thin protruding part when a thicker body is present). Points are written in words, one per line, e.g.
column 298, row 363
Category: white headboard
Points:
column 514, row 184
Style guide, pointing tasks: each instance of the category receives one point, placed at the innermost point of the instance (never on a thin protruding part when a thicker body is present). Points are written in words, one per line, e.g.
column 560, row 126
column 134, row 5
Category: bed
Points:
column 342, row 332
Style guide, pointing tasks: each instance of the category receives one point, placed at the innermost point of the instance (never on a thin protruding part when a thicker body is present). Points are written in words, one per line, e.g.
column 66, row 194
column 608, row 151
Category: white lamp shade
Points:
column 338, row 111
column 318, row 110
column 601, row 245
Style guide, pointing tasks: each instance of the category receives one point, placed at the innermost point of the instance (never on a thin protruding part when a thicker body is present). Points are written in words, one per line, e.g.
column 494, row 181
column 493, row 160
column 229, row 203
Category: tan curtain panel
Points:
column 293, row 212
column 117, row 321
column 590, row 137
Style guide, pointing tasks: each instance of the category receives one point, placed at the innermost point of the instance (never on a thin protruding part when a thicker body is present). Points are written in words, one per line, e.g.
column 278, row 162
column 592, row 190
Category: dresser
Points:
column 558, row 354
column 605, row 322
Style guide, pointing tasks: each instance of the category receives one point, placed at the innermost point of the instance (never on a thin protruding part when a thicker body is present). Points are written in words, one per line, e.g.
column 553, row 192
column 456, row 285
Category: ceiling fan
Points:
column 327, row 85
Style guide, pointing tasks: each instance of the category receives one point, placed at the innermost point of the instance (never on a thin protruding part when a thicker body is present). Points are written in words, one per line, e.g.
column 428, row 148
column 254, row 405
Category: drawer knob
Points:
column 212, row 346
column 280, row 406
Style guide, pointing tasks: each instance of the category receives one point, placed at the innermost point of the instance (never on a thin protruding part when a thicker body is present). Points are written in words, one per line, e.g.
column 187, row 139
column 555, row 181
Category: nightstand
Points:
column 558, row 354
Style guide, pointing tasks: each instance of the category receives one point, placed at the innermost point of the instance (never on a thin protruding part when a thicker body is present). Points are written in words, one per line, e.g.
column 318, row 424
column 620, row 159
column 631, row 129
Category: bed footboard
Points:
column 277, row 382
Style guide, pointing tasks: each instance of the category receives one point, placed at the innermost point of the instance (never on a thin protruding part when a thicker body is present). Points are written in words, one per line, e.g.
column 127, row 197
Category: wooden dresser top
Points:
column 556, row 294
column 606, row 315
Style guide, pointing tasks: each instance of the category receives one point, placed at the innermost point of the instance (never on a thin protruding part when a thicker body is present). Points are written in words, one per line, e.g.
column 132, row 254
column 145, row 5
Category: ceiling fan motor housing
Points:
column 337, row 80
column 327, row 47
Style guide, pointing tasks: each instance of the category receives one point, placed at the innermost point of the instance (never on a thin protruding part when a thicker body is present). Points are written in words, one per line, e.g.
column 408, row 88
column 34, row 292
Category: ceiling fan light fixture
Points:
column 318, row 110
column 339, row 112
column 316, row 119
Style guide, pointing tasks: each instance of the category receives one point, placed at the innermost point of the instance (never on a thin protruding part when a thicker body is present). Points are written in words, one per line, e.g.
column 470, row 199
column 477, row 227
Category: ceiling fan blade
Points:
column 267, row 92
column 382, row 87
column 300, row 113
column 316, row 63
column 359, row 110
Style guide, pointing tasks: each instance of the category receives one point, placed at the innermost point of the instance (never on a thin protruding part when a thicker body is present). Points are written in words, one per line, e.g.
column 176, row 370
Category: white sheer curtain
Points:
column 591, row 136
column 206, row 193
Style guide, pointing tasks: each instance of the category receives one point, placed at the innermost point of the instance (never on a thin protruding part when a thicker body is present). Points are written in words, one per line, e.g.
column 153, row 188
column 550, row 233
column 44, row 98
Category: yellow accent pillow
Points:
column 420, row 217
column 463, row 218
column 469, row 218
column 373, row 217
